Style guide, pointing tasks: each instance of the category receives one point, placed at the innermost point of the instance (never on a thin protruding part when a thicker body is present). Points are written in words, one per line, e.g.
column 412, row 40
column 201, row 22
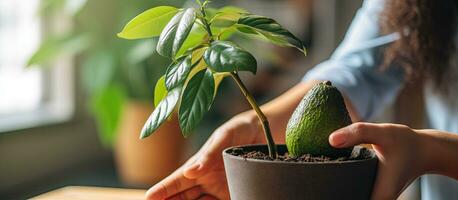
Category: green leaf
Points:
column 160, row 91
column 271, row 30
column 195, row 38
column 107, row 107
column 227, row 16
column 161, row 113
column 199, row 63
column 176, row 32
column 177, row 72
column 149, row 23
column 224, row 56
column 219, row 77
column 196, row 100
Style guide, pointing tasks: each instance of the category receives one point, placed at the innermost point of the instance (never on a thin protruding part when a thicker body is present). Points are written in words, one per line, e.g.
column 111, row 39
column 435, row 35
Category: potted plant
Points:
column 117, row 77
column 196, row 40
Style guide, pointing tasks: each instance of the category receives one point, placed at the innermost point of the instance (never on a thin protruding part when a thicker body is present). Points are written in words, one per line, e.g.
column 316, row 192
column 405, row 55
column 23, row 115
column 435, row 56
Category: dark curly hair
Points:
column 428, row 31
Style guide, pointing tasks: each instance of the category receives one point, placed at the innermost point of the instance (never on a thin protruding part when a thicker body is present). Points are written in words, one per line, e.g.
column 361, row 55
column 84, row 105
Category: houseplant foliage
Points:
column 114, row 72
column 196, row 39
column 117, row 77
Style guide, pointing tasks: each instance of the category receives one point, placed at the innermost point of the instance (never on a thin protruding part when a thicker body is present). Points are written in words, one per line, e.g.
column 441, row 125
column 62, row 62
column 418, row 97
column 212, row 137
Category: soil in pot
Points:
column 358, row 154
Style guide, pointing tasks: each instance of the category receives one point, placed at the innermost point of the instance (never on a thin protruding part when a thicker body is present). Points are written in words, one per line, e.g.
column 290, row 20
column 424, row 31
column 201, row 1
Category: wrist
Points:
column 430, row 150
column 424, row 152
column 440, row 152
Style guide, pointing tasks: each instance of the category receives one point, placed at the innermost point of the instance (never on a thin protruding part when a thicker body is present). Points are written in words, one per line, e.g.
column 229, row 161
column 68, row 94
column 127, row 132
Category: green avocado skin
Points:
column 321, row 111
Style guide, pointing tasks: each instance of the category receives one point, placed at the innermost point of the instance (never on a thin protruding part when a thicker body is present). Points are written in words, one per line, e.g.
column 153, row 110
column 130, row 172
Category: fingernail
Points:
column 337, row 139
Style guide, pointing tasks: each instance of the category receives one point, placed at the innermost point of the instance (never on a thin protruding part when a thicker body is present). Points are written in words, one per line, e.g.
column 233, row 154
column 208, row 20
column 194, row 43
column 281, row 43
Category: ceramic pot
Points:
column 252, row 179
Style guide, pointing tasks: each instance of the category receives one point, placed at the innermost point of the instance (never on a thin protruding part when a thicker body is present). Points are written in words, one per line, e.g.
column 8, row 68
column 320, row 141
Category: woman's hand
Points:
column 203, row 175
column 404, row 153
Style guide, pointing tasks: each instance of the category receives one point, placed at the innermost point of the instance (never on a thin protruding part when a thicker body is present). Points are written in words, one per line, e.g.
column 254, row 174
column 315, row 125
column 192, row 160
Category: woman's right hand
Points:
column 203, row 175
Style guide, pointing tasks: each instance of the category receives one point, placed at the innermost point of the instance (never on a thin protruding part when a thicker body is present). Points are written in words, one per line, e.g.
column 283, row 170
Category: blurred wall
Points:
column 40, row 155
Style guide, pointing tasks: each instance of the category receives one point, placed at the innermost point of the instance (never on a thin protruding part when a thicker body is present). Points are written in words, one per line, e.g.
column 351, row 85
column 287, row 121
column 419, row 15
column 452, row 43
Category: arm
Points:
column 404, row 153
column 440, row 152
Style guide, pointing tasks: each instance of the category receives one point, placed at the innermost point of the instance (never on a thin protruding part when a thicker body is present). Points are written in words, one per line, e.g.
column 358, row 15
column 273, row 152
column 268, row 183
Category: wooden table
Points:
column 90, row 193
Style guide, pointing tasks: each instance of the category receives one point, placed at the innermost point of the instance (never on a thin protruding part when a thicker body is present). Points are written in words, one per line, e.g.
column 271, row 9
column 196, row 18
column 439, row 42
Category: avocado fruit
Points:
column 320, row 112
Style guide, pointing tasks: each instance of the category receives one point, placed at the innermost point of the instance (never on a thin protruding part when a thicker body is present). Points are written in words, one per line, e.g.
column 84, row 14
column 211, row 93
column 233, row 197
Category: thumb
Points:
column 208, row 156
column 357, row 133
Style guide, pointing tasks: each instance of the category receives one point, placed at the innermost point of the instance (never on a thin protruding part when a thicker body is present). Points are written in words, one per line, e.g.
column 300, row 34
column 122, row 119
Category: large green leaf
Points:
column 270, row 29
column 161, row 113
column 224, row 56
column 176, row 32
column 149, row 23
column 196, row 100
column 160, row 91
column 177, row 72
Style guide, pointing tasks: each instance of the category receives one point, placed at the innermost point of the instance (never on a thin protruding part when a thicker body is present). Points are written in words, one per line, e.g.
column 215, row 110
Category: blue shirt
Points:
column 354, row 68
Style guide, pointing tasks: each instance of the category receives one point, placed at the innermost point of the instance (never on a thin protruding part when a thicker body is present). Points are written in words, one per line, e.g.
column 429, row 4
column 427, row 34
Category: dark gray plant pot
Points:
column 253, row 179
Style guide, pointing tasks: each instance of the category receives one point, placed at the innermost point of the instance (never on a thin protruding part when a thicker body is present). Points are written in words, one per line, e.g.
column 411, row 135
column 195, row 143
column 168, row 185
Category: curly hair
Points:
column 428, row 30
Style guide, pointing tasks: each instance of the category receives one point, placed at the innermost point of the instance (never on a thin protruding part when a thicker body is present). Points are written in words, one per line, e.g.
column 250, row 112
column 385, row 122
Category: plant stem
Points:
column 264, row 122
column 207, row 26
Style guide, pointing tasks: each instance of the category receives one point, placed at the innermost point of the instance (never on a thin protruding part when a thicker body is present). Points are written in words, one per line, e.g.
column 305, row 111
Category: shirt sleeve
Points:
column 354, row 68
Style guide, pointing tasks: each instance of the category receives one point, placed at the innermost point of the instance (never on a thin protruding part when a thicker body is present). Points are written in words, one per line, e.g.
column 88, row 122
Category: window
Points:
column 28, row 97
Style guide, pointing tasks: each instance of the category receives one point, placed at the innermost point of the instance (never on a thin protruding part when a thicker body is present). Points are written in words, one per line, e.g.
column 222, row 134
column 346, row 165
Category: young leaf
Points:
column 270, row 29
column 224, row 56
column 198, row 62
column 219, row 77
column 160, row 91
column 196, row 100
column 227, row 16
column 161, row 113
column 177, row 72
column 149, row 23
column 176, row 32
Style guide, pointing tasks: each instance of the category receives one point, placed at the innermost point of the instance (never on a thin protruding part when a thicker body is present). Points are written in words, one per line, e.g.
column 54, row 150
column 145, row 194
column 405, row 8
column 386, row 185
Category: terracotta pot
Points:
column 144, row 162
column 259, row 179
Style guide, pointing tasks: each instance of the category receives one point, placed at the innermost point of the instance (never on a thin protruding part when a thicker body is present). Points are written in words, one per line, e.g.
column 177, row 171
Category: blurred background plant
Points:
column 114, row 71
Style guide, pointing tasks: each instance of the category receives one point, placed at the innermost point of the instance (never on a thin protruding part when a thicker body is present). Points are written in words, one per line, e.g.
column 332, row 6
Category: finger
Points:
column 359, row 133
column 192, row 193
column 209, row 155
column 173, row 184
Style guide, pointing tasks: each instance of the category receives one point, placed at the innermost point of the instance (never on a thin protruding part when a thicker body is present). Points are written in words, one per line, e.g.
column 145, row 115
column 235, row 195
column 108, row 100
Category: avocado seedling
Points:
column 321, row 111
column 196, row 42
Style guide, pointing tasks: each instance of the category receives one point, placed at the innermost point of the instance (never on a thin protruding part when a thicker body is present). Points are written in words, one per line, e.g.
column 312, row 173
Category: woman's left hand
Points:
column 399, row 149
